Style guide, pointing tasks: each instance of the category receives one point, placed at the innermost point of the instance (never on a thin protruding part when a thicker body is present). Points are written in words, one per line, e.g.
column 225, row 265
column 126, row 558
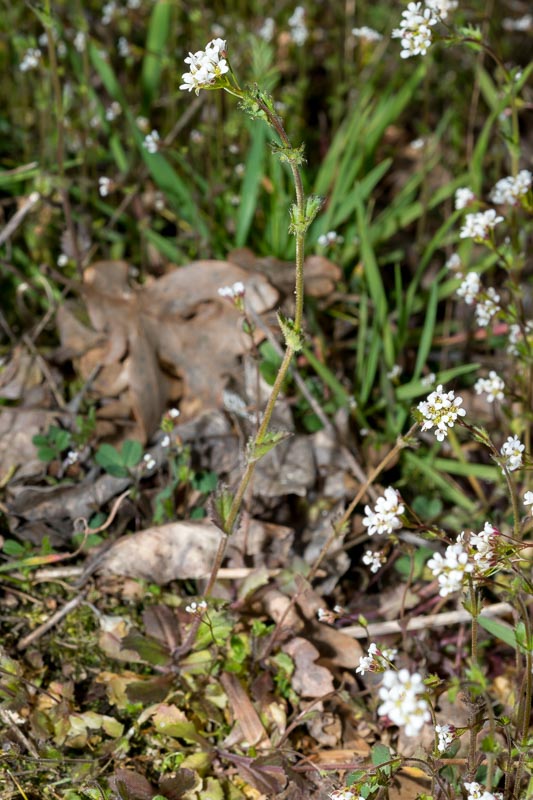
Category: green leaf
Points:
column 257, row 450
column 131, row 453
column 159, row 28
column 499, row 629
column 110, row 460
column 380, row 754
column 149, row 649
column 253, row 175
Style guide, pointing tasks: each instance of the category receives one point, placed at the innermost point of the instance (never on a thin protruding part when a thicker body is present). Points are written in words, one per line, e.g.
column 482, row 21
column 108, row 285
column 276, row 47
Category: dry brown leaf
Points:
column 143, row 338
column 177, row 551
column 309, row 679
column 243, row 711
column 320, row 274
column 18, row 426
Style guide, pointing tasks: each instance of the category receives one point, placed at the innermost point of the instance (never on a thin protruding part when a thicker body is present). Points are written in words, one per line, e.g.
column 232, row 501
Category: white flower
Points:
column 452, row 568
column 368, row 34
column 107, row 12
column 267, row 29
column 143, row 123
column 373, row 559
column 72, row 457
column 429, row 379
column 298, row 27
column 440, row 411
column 343, row 794
column 30, row 60
column 442, row 7
column 149, row 461
column 487, row 307
column 205, row 66
column 528, row 499
column 445, row 734
column 330, row 238
column 469, row 288
column 478, row 792
column 478, row 226
column 151, row 142
column 515, row 335
column 80, row 41
column 325, row 615
column 165, row 441
column 370, row 661
column 401, row 701
column 232, row 292
column 134, row 4
column 385, row 517
column 123, row 47
column 415, row 30
column 510, row 190
column 196, row 608
column 104, row 186
column 512, row 450
column 112, row 111
column 454, row 263
column 492, row 386
column 394, row 372
column 484, row 546
column 173, row 413
column 463, row 198
column 62, row 260
column 520, row 24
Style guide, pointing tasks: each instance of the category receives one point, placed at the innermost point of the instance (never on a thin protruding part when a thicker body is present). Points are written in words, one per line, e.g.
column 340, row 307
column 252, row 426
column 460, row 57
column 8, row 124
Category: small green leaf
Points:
column 256, row 450
column 131, row 453
column 111, row 461
column 293, row 338
column 499, row 629
column 380, row 754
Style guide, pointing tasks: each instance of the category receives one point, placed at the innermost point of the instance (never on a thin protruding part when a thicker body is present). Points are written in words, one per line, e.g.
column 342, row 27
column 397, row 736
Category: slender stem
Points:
column 474, row 610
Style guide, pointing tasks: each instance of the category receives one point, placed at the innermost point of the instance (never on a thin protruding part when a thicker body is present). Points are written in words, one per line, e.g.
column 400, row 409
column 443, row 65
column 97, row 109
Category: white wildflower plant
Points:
column 480, row 226
column 376, row 659
column 207, row 68
column 440, row 412
column 445, row 735
column 512, row 450
column 493, row 387
column 452, row 568
column 385, row 517
column 478, row 792
column 403, row 702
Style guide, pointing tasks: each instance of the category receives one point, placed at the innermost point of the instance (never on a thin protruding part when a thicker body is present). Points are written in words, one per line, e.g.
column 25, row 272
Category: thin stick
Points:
column 445, row 619
column 50, row 622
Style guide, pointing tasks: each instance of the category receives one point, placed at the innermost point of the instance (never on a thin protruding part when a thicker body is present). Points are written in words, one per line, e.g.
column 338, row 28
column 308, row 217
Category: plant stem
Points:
column 474, row 610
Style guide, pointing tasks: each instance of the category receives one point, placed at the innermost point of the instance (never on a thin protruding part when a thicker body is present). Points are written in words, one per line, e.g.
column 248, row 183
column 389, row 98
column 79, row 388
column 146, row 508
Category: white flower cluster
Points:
column 454, row 263
column 344, row 794
column 205, row 66
column 30, row 60
column 510, row 190
column 451, row 568
column 442, row 7
column 415, row 29
column 492, row 386
column 402, row 703
column 445, row 736
column 484, row 548
column 463, row 197
column 104, row 186
column 469, row 288
column 478, row 792
column 267, row 29
column 367, row 34
column 232, row 292
column 373, row 559
column 487, row 307
column 330, row 238
column 512, row 450
column 376, row 660
column 528, row 499
column 151, row 142
column 478, row 226
column 440, row 411
column 519, row 24
column 149, row 461
column 385, row 517
column 299, row 32
column 196, row 608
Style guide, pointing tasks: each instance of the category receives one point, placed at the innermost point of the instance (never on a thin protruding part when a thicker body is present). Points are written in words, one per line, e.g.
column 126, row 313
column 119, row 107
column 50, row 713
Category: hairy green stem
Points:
column 474, row 610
